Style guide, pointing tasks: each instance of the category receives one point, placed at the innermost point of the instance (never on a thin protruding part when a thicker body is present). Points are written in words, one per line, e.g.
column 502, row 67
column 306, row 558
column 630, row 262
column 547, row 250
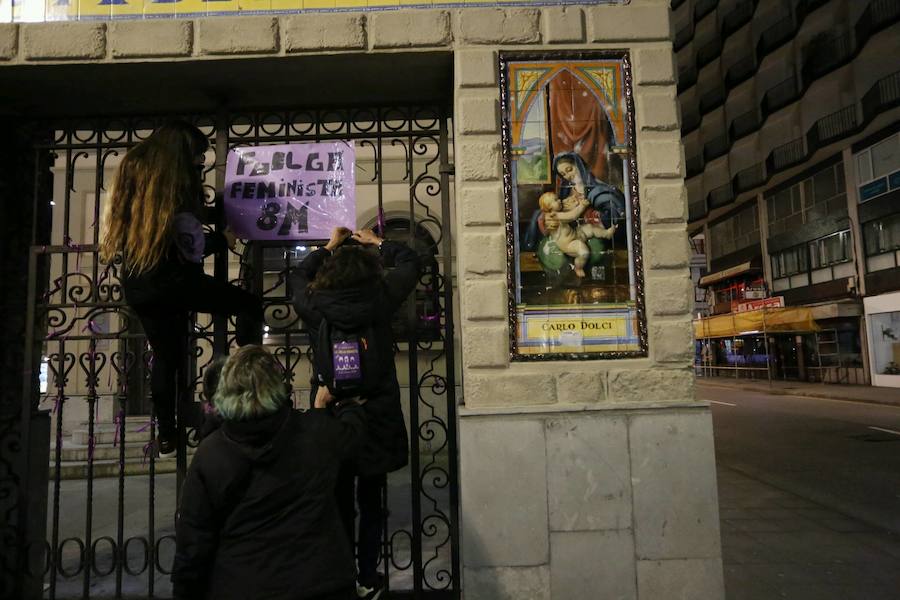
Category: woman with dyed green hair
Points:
column 251, row 385
column 257, row 517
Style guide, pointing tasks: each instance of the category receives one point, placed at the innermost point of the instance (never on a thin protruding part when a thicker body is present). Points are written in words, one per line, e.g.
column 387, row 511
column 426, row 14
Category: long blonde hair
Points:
column 156, row 179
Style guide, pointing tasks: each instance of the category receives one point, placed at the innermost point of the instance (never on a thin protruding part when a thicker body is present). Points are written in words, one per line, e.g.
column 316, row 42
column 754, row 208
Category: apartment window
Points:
column 784, row 210
column 825, row 194
column 878, row 168
column 882, row 242
column 789, row 262
column 830, row 250
column 822, row 195
column 824, row 259
column 734, row 233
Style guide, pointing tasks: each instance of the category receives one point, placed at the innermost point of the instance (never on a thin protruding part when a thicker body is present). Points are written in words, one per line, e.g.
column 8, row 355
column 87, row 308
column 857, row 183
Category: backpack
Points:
column 346, row 362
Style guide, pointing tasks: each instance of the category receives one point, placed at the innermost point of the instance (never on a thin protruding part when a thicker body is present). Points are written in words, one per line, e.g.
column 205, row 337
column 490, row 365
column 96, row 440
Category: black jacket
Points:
column 257, row 516
column 386, row 447
column 169, row 274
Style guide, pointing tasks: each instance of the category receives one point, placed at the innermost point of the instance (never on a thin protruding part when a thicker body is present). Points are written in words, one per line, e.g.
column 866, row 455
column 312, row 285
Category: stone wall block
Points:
column 247, row 35
column 499, row 26
column 150, row 38
column 581, row 387
column 651, row 385
column 593, row 564
column 669, row 295
column 563, row 25
column 63, row 41
column 666, row 248
column 672, row 341
column 673, row 475
column 664, row 203
column 410, row 29
column 323, row 31
column 503, row 476
column 482, row 205
column 654, row 66
column 661, row 157
column 507, row 583
column 692, row 577
column 588, row 476
column 485, row 346
column 485, row 299
column 484, row 253
column 628, row 23
column 478, row 160
column 479, row 114
column 476, row 67
column 657, row 110
column 508, row 389
column 9, row 40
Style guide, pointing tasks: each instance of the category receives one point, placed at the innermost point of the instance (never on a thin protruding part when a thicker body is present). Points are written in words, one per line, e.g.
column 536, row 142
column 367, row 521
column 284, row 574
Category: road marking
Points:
column 725, row 403
column 762, row 392
column 885, row 430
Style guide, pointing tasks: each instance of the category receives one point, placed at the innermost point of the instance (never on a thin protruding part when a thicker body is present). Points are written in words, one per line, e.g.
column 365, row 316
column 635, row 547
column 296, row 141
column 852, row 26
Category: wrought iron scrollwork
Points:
column 98, row 364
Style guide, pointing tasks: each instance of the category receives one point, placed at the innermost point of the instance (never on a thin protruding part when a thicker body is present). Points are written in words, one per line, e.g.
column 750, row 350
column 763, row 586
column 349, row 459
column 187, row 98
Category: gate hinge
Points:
column 447, row 169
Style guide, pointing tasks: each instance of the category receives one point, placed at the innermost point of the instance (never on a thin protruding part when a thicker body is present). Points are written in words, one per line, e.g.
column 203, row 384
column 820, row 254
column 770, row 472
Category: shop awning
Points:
column 769, row 320
column 725, row 274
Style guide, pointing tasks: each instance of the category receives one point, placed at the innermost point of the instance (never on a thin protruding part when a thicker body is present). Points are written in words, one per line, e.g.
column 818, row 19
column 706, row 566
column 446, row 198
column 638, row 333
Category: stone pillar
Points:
column 579, row 479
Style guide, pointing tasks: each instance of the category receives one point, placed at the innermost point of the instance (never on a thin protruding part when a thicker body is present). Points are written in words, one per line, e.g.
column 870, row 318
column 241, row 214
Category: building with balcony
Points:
column 790, row 113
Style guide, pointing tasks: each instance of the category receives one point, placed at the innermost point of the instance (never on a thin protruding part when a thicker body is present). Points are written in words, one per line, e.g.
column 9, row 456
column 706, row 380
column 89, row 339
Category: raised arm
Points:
column 400, row 281
column 304, row 273
column 347, row 422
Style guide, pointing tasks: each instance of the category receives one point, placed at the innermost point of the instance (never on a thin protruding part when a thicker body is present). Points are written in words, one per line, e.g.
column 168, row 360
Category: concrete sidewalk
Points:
column 778, row 545
column 853, row 393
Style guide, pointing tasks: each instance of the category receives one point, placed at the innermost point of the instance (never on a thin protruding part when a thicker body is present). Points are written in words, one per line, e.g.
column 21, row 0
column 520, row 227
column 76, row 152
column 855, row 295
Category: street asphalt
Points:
column 809, row 493
column 844, row 455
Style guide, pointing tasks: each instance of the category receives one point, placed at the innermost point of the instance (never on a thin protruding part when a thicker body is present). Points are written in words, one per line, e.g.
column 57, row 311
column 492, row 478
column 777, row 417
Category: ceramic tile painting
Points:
column 576, row 287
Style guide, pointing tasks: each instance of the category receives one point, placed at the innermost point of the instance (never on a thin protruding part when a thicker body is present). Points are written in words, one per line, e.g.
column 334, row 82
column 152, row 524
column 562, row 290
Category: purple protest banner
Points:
column 290, row 191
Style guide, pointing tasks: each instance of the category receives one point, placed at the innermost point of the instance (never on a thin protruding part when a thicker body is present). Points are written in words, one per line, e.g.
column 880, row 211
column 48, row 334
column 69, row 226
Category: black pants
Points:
column 370, row 499
column 163, row 303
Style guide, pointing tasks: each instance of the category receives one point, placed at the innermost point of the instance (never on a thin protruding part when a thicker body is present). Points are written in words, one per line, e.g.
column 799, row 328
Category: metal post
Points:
column 766, row 342
column 447, row 250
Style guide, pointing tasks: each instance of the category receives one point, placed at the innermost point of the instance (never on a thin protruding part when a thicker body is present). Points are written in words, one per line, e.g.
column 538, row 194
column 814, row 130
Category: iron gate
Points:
column 111, row 503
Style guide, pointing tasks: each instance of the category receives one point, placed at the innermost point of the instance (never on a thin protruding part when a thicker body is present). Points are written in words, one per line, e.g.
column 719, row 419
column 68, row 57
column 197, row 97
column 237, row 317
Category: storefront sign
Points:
column 290, row 191
column 751, row 293
column 574, row 227
column 20, row 11
column 774, row 302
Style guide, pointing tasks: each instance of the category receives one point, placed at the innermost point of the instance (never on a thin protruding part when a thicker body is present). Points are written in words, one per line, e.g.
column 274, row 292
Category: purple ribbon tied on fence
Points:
column 120, row 423
column 57, row 285
column 68, row 242
column 92, row 443
column 93, row 327
column 381, row 224
column 148, row 449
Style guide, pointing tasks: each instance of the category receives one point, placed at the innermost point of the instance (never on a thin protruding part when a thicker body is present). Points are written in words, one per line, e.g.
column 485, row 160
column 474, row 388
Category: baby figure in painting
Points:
column 572, row 241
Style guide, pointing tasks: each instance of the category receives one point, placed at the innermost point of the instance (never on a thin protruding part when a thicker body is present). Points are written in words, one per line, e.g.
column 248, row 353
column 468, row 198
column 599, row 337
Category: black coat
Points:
column 257, row 516
column 386, row 447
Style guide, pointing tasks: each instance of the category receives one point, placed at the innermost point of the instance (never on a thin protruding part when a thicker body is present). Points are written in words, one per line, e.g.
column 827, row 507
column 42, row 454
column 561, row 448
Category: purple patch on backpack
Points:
column 346, row 361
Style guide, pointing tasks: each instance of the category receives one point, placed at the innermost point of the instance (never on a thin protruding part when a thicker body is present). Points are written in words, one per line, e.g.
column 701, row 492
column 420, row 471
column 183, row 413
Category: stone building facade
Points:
column 578, row 479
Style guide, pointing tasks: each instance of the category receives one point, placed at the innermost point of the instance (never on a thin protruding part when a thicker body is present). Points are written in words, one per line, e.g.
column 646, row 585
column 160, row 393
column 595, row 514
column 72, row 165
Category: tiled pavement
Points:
column 777, row 545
